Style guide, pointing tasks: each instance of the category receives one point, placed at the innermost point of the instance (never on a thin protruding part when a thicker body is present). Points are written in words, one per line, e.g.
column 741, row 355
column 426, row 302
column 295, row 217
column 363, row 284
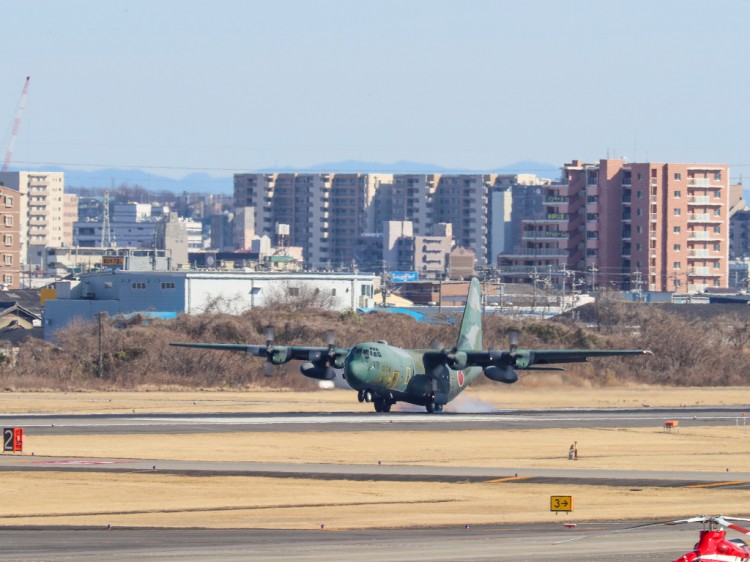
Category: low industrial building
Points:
column 168, row 293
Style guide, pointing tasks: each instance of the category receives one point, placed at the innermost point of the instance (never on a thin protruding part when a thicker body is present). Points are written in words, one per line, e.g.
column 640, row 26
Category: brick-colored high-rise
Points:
column 651, row 226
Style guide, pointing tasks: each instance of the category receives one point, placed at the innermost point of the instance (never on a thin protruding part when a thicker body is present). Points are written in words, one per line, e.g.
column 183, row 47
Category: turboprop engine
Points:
column 320, row 365
column 505, row 374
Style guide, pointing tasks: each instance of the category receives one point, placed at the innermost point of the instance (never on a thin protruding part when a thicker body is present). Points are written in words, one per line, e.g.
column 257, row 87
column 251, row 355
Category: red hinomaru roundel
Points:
column 460, row 375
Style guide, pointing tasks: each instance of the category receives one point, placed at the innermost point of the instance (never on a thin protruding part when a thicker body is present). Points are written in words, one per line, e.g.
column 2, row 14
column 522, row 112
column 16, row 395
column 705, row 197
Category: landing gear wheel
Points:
column 430, row 407
column 368, row 396
column 438, row 408
column 361, row 396
column 387, row 406
column 379, row 405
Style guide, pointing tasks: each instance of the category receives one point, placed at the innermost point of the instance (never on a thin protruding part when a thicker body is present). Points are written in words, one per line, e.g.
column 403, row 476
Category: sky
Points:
column 236, row 85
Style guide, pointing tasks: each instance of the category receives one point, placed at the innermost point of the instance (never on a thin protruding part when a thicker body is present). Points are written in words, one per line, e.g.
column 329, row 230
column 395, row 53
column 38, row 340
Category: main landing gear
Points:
column 381, row 404
column 433, row 408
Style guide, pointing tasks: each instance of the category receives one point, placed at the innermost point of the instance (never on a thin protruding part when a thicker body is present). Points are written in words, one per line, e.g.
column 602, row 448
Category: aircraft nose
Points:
column 356, row 371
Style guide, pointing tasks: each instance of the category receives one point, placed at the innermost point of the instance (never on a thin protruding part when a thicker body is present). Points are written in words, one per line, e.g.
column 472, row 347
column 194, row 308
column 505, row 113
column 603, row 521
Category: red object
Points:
column 713, row 546
column 17, row 439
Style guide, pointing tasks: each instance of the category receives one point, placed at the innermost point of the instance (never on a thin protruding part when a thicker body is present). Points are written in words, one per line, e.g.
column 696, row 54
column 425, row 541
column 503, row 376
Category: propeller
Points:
column 502, row 365
column 321, row 364
column 513, row 341
column 712, row 521
column 269, row 333
column 452, row 357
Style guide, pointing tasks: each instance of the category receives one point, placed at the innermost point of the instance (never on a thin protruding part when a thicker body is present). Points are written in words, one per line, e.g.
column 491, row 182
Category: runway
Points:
column 497, row 542
column 479, row 543
column 154, row 423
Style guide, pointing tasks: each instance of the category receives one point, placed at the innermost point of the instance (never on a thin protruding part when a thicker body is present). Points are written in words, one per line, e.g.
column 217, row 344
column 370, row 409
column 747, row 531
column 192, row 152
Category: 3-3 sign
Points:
column 561, row 503
column 13, row 439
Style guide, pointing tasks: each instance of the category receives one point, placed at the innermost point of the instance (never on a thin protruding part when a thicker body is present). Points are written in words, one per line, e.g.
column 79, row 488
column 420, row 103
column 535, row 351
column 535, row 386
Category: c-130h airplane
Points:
column 384, row 374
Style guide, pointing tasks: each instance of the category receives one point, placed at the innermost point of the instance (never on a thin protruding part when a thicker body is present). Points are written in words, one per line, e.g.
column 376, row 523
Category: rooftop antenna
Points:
column 16, row 124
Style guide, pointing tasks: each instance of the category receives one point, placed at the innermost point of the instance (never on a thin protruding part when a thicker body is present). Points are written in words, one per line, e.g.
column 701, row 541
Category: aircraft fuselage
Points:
column 393, row 374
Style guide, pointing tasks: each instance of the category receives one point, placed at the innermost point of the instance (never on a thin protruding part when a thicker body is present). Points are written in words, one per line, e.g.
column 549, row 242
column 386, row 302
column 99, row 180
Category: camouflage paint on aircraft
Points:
column 384, row 374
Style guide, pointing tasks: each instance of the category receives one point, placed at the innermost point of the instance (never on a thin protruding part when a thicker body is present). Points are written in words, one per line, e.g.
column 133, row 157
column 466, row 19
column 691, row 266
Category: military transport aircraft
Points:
column 384, row 374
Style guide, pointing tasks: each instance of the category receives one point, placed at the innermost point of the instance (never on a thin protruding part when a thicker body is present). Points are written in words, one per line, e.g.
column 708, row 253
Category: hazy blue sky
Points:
column 227, row 86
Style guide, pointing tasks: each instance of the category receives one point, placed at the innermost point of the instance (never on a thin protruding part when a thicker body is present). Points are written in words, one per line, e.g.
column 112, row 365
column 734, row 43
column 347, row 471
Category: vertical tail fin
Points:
column 470, row 333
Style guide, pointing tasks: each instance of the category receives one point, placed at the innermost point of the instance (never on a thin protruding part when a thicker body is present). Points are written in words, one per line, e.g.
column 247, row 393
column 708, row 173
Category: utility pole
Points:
column 562, row 303
column 100, row 363
column 593, row 271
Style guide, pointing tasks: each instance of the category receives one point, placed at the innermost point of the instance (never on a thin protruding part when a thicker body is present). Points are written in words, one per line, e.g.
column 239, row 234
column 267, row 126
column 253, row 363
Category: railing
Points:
column 544, row 234
column 699, row 182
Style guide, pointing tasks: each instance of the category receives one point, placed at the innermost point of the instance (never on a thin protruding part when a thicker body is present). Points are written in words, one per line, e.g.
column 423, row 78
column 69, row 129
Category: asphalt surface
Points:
column 592, row 543
column 145, row 423
column 598, row 543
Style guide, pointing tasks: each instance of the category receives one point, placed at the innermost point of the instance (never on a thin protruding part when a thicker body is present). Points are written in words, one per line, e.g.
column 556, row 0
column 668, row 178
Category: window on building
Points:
column 167, row 285
column 676, row 247
column 717, row 230
column 293, row 291
column 677, row 176
column 8, row 220
column 677, row 212
column 8, row 200
column 676, row 265
column 717, row 265
column 639, row 229
column 138, row 285
column 717, row 212
column 7, row 279
column 638, row 247
column 676, row 229
column 639, row 194
column 677, row 194
column 638, row 212
column 717, row 176
column 108, row 284
column 8, row 239
column 717, row 246
column 8, row 259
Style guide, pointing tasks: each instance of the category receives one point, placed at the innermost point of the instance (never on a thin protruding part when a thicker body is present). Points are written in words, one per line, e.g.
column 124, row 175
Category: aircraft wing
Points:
column 527, row 358
column 289, row 352
column 545, row 357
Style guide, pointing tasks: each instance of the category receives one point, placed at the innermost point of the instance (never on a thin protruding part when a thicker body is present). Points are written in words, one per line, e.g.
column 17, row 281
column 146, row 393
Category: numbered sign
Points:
column 13, row 439
column 561, row 503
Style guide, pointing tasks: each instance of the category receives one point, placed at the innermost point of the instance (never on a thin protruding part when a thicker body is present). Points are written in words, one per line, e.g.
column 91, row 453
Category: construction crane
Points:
column 16, row 124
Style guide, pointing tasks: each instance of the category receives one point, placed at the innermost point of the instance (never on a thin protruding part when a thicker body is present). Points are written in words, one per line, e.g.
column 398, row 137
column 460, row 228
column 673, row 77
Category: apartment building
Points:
column 654, row 226
column 328, row 213
column 10, row 236
column 70, row 217
column 41, row 211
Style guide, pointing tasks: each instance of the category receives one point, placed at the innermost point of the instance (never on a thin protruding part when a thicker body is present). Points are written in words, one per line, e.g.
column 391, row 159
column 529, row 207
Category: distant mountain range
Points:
column 204, row 183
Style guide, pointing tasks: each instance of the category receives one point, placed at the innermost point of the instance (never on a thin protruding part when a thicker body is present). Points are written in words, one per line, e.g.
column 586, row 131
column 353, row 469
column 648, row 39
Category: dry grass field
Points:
column 154, row 499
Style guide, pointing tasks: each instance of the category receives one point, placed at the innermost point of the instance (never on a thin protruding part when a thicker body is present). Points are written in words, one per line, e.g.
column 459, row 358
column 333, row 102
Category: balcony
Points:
column 537, row 252
column 701, row 235
column 699, row 182
column 704, row 217
column 703, row 272
column 544, row 235
column 705, row 200
column 701, row 254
